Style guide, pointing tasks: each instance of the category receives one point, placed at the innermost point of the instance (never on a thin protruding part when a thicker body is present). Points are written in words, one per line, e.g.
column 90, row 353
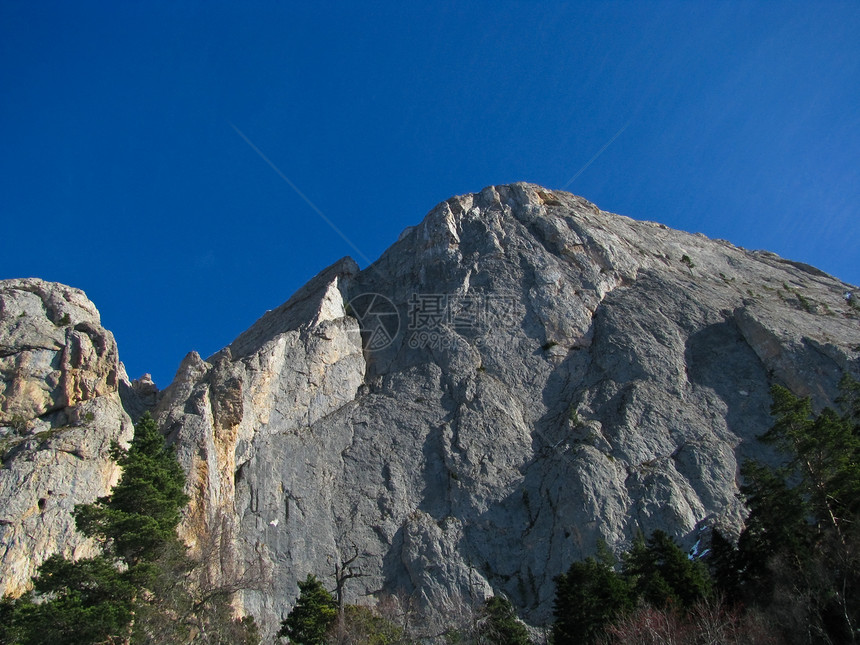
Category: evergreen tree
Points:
column 365, row 626
column 822, row 452
column 93, row 600
column 139, row 518
column 138, row 590
column 723, row 564
column 776, row 527
column 313, row 616
column 849, row 401
column 88, row 601
column 499, row 624
column 588, row 598
column 796, row 558
column 663, row 575
column 7, row 611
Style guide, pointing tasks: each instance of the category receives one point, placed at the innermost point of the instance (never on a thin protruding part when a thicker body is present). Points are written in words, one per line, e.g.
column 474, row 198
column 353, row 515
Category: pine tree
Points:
column 777, row 527
column 366, row 626
column 663, row 575
column 723, row 563
column 313, row 616
column 139, row 518
column 822, row 452
column 499, row 624
column 796, row 558
column 93, row 600
column 88, row 601
column 849, row 400
column 588, row 598
column 138, row 589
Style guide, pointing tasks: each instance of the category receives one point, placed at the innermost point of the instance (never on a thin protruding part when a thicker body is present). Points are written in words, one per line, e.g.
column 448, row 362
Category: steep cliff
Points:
column 518, row 376
column 60, row 410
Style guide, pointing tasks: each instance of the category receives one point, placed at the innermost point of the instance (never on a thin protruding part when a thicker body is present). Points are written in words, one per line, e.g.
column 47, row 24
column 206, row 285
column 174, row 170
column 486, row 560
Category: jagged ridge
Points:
column 556, row 375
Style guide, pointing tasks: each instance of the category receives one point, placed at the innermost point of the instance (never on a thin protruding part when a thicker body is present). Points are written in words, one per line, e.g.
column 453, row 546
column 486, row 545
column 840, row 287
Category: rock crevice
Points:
column 518, row 377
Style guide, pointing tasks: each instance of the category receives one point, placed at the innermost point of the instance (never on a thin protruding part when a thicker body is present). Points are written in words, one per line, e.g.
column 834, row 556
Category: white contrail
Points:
column 302, row 195
column 599, row 152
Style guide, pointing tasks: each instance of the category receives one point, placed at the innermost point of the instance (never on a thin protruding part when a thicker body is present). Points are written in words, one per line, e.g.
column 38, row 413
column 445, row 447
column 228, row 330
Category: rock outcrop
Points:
column 60, row 410
column 517, row 377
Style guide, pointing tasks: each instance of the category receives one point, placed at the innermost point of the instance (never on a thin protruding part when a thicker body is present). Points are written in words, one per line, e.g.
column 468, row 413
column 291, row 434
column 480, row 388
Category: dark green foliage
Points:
column 797, row 558
column 849, row 401
column 777, row 524
column 94, row 600
column 90, row 602
column 823, row 452
column 724, row 566
column 167, row 611
column 142, row 512
column 794, row 573
column 662, row 575
column 365, row 626
column 139, row 589
column 313, row 616
column 243, row 631
column 499, row 624
column 592, row 595
column 7, row 610
column 588, row 598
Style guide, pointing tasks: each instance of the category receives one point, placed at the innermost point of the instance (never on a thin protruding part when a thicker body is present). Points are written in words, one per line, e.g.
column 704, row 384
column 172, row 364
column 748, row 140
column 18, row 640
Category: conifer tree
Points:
column 313, row 616
column 139, row 518
column 589, row 597
column 138, row 589
column 93, row 600
column 499, row 624
column 87, row 601
column 822, row 454
column 663, row 575
column 797, row 557
column 366, row 626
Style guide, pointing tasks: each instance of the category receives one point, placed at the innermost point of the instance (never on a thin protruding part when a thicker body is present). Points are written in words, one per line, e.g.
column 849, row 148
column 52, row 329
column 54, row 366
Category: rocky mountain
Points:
column 60, row 409
column 516, row 378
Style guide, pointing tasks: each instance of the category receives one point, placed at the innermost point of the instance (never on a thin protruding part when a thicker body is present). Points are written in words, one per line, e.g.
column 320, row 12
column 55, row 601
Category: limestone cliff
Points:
column 518, row 376
column 60, row 410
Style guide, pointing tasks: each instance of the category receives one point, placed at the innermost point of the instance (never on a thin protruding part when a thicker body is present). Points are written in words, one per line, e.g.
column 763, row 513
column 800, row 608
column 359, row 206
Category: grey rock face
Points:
column 517, row 377
column 294, row 367
column 520, row 375
column 59, row 412
column 53, row 350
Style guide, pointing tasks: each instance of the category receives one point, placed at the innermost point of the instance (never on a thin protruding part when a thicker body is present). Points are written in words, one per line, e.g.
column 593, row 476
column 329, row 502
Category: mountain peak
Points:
column 520, row 376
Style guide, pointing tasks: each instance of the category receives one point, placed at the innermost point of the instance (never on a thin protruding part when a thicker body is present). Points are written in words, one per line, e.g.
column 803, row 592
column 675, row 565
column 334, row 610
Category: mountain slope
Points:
column 517, row 377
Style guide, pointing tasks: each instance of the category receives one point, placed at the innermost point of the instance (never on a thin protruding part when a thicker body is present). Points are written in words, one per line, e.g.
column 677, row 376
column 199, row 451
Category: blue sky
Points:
column 121, row 172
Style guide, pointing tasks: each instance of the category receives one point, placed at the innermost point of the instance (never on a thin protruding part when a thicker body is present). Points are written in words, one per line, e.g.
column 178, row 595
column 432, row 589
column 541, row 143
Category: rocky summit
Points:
column 518, row 377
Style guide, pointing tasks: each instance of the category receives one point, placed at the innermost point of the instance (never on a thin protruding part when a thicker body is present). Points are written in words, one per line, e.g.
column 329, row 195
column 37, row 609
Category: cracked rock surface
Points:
column 520, row 375
column 60, row 410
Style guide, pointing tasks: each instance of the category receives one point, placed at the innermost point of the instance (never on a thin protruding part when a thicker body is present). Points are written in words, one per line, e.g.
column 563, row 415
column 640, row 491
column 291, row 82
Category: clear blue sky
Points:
column 121, row 172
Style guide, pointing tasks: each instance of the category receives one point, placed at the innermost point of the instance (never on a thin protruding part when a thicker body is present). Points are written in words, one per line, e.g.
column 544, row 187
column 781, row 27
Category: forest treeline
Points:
column 791, row 576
